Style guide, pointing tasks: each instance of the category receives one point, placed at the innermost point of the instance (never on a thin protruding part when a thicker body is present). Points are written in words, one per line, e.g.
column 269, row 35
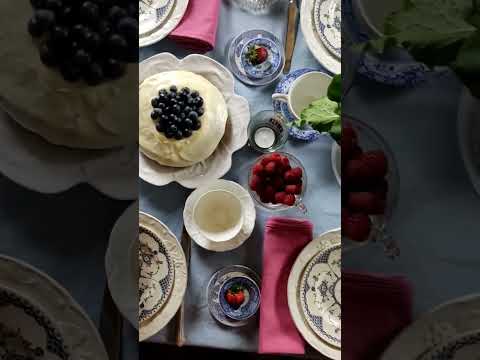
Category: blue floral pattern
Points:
column 328, row 20
column 251, row 303
column 306, row 134
column 450, row 350
column 267, row 68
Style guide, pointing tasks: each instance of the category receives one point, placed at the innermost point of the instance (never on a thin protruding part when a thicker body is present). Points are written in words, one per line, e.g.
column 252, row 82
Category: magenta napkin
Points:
column 284, row 239
column 198, row 29
column 375, row 308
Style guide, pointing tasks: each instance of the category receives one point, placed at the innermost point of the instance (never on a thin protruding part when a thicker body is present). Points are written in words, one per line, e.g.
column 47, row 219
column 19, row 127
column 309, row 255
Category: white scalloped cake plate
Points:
column 235, row 137
column 25, row 153
column 71, row 324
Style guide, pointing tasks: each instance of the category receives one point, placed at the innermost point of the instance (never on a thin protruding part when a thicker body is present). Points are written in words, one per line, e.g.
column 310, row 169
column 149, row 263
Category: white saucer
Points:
column 249, row 215
column 121, row 264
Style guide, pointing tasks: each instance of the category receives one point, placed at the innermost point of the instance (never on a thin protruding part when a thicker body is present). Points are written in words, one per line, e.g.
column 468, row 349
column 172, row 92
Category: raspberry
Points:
column 285, row 162
column 356, row 226
column 363, row 201
column 280, row 197
column 255, row 181
column 377, row 163
column 291, row 189
column 289, row 177
column 270, row 167
column 257, row 169
column 289, row 199
column 278, row 183
column 297, row 172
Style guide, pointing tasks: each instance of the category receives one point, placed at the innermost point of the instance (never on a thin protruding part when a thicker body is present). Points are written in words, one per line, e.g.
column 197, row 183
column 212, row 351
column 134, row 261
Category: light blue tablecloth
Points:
column 166, row 203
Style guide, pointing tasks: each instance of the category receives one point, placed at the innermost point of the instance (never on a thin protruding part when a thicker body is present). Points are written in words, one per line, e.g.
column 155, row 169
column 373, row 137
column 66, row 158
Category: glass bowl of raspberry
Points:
column 370, row 185
column 277, row 182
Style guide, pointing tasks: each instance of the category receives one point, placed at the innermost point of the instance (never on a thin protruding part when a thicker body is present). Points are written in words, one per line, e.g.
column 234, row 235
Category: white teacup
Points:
column 218, row 215
column 305, row 90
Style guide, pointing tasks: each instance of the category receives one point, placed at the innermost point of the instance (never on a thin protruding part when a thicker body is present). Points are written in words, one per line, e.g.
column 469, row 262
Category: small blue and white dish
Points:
column 250, row 305
column 248, row 73
column 267, row 68
column 283, row 87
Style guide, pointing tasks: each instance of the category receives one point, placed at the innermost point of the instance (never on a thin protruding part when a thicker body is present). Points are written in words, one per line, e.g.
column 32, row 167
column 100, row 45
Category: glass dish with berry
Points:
column 277, row 182
column 370, row 183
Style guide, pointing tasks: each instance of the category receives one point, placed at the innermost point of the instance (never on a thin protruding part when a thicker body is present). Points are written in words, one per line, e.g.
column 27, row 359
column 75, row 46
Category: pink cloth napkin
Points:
column 284, row 239
column 198, row 29
column 375, row 309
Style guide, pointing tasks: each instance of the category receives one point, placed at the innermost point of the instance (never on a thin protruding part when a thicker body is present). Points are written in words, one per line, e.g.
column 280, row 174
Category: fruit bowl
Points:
column 370, row 184
column 267, row 185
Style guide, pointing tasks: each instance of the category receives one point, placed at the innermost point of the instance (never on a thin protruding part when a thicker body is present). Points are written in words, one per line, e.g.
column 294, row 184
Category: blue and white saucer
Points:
column 328, row 22
column 243, row 69
column 250, row 305
column 283, row 87
column 215, row 285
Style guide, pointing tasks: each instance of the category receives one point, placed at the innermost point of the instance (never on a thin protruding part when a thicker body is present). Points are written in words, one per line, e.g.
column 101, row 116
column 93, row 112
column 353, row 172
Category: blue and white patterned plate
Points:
column 247, row 73
column 250, row 304
column 283, row 87
column 321, row 295
column 464, row 347
column 152, row 14
column 267, row 68
column 156, row 273
column 26, row 332
column 213, row 290
column 327, row 17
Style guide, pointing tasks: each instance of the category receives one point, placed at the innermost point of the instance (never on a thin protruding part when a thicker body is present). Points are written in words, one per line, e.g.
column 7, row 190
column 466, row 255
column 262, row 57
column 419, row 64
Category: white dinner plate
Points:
column 314, row 42
column 171, row 13
column 321, row 295
column 440, row 326
column 327, row 16
column 161, row 318
column 44, row 314
column 121, row 264
column 25, row 153
column 235, row 137
column 248, row 209
column 321, row 243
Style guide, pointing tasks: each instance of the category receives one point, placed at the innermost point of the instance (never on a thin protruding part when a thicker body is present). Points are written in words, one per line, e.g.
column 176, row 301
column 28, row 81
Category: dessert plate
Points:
column 248, row 216
column 235, row 137
column 121, row 264
column 321, row 244
column 213, row 289
column 313, row 39
column 440, row 327
column 25, row 153
column 161, row 20
column 321, row 295
column 157, row 321
column 328, row 22
column 39, row 312
column 157, row 273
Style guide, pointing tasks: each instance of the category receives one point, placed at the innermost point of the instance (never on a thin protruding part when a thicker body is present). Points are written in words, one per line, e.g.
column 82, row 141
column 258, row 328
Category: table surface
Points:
column 166, row 203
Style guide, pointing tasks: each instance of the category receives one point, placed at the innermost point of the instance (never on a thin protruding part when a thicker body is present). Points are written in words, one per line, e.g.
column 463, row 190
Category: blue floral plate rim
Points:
column 247, row 310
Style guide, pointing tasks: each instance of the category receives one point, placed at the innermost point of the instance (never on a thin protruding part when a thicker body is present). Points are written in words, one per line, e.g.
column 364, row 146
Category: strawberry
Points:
column 235, row 296
column 266, row 160
column 289, row 199
column 255, row 181
column 270, row 167
column 257, row 169
column 363, row 201
column 356, row 226
column 257, row 54
column 377, row 163
column 280, row 197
